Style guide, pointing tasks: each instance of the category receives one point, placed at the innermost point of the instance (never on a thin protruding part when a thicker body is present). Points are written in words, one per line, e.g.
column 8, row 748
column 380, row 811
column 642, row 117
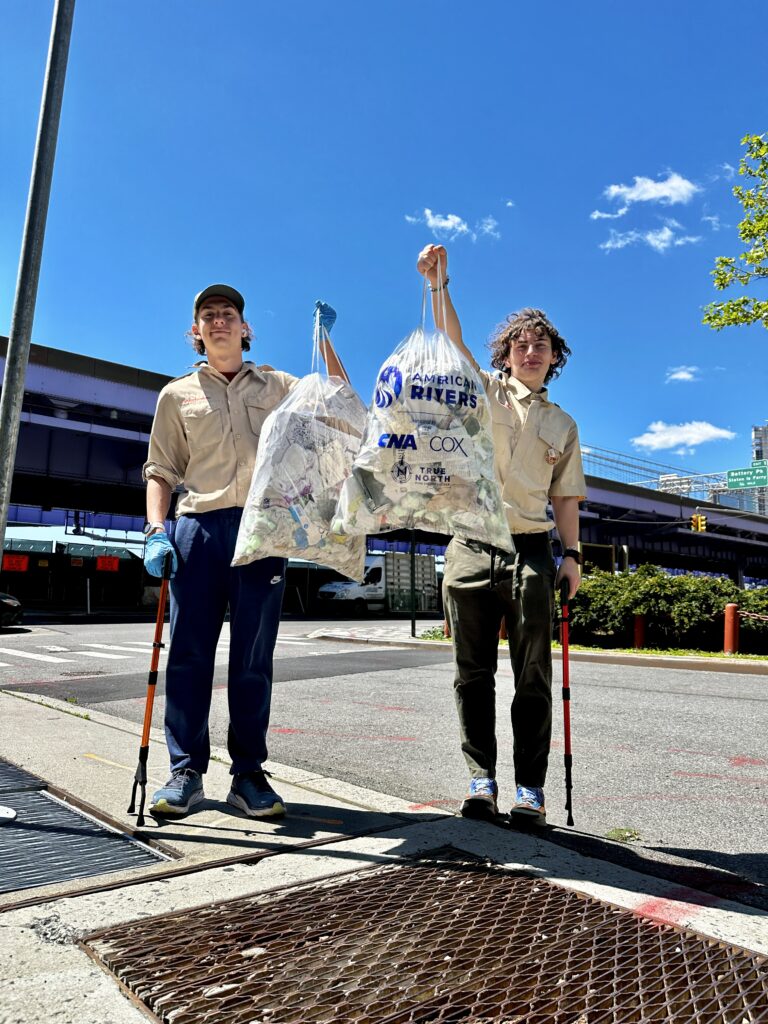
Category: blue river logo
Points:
column 388, row 386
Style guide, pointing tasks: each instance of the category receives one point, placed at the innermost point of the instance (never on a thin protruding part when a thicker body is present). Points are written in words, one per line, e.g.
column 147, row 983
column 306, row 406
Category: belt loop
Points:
column 492, row 578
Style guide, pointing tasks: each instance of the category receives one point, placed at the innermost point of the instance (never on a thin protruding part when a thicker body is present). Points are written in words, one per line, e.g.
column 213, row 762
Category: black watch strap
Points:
column 573, row 553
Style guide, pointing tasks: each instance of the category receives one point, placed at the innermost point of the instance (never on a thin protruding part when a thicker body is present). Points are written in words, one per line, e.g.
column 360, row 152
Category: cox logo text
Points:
column 447, row 444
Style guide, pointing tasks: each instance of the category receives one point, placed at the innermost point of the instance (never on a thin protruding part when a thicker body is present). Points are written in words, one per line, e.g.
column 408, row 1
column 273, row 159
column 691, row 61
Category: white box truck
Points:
column 386, row 585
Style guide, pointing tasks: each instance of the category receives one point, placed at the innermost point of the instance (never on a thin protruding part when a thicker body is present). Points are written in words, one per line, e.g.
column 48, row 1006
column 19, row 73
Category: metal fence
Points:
column 658, row 476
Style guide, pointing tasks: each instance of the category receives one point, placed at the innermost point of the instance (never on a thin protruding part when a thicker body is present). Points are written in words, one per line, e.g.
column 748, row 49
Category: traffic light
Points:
column 702, row 524
column 698, row 523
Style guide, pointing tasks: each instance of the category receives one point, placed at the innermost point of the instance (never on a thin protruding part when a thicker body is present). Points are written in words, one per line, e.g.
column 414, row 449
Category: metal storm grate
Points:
column 49, row 841
column 13, row 779
column 438, row 942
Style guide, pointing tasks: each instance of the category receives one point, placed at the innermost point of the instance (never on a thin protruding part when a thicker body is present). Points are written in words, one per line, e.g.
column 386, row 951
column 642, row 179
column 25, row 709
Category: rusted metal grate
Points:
column 439, row 941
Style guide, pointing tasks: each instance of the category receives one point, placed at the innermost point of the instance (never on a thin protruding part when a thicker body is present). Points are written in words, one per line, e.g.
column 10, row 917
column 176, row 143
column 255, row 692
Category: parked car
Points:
column 11, row 612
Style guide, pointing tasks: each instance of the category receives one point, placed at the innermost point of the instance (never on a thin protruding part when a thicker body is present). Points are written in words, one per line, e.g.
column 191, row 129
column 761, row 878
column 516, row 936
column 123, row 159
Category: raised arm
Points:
column 431, row 258
column 334, row 365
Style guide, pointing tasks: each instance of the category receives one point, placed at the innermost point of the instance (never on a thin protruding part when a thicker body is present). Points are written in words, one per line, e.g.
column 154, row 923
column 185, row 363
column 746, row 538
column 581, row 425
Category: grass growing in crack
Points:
column 623, row 835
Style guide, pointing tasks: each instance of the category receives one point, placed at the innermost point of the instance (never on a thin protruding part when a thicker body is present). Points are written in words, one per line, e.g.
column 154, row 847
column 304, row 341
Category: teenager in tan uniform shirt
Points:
column 204, row 440
column 537, row 461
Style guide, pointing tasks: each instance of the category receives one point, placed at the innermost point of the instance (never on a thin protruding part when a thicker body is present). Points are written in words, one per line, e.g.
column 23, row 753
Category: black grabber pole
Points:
column 568, row 757
column 140, row 779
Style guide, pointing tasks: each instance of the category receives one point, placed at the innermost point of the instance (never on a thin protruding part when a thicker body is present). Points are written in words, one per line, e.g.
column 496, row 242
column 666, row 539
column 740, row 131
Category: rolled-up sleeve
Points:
column 568, row 476
column 168, row 449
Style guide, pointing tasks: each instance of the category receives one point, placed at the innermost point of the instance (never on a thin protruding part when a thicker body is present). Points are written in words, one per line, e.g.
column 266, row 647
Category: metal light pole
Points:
column 32, row 251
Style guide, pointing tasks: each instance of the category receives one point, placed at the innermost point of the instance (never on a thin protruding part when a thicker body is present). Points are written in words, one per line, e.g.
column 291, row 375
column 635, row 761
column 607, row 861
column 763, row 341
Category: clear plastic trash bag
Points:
column 306, row 450
column 426, row 461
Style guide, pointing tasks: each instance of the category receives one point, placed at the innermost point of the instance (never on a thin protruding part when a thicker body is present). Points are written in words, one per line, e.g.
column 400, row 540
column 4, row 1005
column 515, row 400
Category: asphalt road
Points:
column 677, row 756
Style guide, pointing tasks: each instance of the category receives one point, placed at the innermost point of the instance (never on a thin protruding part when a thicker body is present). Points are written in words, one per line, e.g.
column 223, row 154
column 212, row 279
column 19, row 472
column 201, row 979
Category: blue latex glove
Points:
column 157, row 547
column 327, row 315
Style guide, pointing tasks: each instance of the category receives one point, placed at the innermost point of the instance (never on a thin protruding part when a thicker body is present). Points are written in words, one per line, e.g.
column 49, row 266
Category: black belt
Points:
column 525, row 543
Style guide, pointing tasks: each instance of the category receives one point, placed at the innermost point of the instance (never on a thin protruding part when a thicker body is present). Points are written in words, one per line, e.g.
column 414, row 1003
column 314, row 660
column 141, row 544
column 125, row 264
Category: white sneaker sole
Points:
column 277, row 810
column 165, row 810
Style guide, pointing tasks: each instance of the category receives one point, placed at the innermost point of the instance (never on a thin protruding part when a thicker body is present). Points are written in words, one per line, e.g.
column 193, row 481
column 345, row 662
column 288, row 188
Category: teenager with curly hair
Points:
column 537, row 462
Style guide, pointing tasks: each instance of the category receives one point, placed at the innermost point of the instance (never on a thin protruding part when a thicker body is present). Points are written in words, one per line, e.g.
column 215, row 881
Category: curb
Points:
column 681, row 662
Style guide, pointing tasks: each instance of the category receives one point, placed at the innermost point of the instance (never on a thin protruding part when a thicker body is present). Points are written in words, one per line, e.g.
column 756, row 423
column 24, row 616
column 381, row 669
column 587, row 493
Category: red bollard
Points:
column 731, row 644
column 503, row 630
column 639, row 632
column 446, row 629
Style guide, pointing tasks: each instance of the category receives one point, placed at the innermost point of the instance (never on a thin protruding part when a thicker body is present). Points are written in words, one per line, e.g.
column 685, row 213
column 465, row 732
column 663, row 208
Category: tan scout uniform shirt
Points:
column 537, row 452
column 206, row 433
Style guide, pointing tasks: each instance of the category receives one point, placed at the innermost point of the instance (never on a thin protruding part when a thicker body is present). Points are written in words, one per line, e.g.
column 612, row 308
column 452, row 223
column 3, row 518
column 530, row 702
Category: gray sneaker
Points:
column 252, row 794
column 179, row 795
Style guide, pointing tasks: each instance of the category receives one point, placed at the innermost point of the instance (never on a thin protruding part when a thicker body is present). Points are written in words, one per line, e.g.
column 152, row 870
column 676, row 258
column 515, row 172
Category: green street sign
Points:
column 760, row 462
column 753, row 476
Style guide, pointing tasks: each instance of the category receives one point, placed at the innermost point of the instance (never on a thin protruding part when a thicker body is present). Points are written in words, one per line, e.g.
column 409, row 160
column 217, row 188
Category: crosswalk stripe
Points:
column 116, row 647
column 102, row 654
column 33, row 657
column 298, row 643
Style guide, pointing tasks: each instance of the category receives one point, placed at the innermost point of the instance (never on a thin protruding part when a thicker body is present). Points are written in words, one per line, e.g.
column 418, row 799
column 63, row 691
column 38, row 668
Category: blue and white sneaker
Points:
column 480, row 801
column 253, row 795
column 179, row 795
column 529, row 805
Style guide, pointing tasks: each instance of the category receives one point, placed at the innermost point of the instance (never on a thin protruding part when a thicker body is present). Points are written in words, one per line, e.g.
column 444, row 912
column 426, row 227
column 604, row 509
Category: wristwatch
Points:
column 573, row 553
column 151, row 528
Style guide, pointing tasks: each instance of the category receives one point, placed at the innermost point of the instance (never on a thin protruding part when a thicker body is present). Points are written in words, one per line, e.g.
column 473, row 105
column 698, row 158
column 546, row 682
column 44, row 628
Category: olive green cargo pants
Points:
column 520, row 590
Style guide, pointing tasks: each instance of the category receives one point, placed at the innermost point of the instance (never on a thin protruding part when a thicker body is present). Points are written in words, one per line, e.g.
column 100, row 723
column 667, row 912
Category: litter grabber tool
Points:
column 568, row 757
column 140, row 779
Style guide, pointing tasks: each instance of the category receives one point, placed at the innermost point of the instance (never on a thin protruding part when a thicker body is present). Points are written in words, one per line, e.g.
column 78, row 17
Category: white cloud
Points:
column 659, row 240
column 488, row 226
column 599, row 215
column 728, row 170
column 687, row 373
column 660, row 435
column 668, row 192
column 674, row 189
column 713, row 221
column 445, row 227
column 510, row 202
column 683, row 452
column 448, row 226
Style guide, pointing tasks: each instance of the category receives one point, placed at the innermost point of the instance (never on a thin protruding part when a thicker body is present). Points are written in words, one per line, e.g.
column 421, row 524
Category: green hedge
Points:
column 680, row 611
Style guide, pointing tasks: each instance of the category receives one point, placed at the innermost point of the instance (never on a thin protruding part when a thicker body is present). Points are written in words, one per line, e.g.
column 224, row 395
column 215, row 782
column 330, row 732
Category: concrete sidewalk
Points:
column 217, row 854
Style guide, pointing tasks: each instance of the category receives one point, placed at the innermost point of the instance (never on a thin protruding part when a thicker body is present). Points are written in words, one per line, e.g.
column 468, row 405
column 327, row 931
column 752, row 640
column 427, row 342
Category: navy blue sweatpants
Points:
column 204, row 585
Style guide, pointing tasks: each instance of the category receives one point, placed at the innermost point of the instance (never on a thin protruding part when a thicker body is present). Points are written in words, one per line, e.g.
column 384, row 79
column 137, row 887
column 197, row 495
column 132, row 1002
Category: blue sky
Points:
column 578, row 157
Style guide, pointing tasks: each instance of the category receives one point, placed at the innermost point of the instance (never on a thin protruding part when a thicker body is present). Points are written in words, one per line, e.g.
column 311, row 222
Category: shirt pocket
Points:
column 550, row 447
column 257, row 412
column 203, row 428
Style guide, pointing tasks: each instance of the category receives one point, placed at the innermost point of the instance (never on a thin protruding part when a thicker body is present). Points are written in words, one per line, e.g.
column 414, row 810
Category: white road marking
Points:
column 102, row 654
column 33, row 657
column 299, row 643
column 116, row 647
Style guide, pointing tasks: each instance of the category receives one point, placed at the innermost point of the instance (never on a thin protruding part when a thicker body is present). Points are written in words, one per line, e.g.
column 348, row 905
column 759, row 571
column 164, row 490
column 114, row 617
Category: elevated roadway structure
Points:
column 84, row 435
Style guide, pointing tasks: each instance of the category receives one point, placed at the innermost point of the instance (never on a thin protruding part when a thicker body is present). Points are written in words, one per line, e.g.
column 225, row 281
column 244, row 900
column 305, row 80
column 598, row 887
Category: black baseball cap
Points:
column 222, row 290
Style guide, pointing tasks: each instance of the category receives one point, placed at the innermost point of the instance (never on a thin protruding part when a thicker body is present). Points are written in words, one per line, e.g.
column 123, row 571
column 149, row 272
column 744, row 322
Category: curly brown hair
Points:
column 199, row 345
column 527, row 319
